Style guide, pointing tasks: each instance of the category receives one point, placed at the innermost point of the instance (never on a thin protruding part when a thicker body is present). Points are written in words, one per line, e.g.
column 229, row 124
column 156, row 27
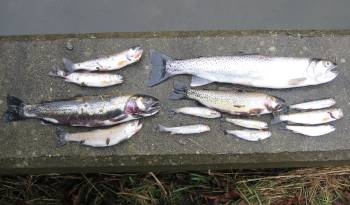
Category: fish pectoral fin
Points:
column 296, row 81
column 197, row 81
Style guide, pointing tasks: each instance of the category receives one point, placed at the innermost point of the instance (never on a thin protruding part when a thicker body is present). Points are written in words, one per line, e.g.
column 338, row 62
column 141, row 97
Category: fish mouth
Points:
column 153, row 108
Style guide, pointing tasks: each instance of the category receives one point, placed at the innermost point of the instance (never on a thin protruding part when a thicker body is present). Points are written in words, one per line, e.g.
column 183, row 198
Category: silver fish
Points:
column 88, row 79
column 311, row 130
column 112, row 62
column 197, row 111
column 311, row 117
column 87, row 111
column 314, row 105
column 249, row 70
column 185, row 130
column 233, row 102
column 102, row 137
column 247, row 123
column 250, row 135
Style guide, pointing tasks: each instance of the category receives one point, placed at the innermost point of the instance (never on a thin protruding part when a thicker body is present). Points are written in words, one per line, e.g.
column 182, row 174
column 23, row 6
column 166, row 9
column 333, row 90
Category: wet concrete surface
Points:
column 28, row 146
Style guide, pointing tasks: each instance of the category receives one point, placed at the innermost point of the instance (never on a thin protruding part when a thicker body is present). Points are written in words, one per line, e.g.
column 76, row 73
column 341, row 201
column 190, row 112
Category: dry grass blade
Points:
column 160, row 185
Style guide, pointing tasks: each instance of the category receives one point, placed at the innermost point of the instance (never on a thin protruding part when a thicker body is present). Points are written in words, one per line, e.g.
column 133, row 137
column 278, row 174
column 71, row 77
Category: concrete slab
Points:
column 27, row 146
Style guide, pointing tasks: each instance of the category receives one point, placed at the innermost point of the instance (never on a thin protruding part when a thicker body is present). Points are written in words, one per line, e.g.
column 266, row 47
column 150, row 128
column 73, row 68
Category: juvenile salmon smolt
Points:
column 88, row 79
column 197, row 111
column 250, row 135
column 185, row 130
column 101, row 137
column 249, row 70
column 87, row 111
column 310, row 117
column 253, row 124
column 311, row 130
column 233, row 102
column 314, row 105
column 108, row 63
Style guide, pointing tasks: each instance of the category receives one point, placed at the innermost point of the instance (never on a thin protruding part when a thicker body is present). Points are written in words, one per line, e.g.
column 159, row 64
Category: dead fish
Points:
column 310, row 117
column 250, row 135
column 233, row 102
column 185, row 130
column 87, row 111
column 247, row 123
column 88, row 79
column 197, row 111
column 101, row 137
column 112, row 62
column 311, row 130
column 249, row 70
column 314, row 105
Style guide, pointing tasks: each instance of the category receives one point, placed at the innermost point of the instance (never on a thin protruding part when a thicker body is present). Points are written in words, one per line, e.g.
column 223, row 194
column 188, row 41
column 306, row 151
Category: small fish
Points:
column 233, row 102
column 88, row 79
column 311, row 130
column 311, row 117
column 102, row 137
column 87, row 111
column 185, row 130
column 113, row 62
column 250, row 135
column 249, row 70
column 253, row 124
column 197, row 111
column 314, row 105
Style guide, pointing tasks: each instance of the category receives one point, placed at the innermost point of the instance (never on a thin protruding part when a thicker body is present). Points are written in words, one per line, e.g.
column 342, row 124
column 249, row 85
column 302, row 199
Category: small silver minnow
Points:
column 314, row 105
column 101, row 137
column 197, row 111
column 249, row 70
column 250, row 135
column 185, row 130
column 232, row 102
column 112, row 62
column 311, row 130
column 311, row 117
column 87, row 111
column 247, row 123
column 88, row 79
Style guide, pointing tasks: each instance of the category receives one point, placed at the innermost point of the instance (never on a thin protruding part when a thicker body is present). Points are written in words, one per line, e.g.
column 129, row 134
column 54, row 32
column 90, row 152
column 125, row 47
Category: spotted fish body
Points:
column 197, row 111
column 88, row 79
column 249, row 70
column 232, row 102
column 112, row 62
column 87, row 111
column 101, row 137
column 311, row 117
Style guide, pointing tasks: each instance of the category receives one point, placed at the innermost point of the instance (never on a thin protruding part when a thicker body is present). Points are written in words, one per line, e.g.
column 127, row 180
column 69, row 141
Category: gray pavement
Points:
column 28, row 146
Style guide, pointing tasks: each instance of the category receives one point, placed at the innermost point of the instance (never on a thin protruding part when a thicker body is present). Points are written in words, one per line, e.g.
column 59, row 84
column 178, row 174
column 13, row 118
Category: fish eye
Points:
column 327, row 63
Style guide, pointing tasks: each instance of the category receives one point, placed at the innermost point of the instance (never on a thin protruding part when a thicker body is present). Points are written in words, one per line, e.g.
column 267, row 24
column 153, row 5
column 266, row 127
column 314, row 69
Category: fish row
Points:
column 85, row 74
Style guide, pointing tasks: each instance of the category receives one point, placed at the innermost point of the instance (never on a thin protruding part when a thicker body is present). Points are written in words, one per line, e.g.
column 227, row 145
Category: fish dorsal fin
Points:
column 197, row 81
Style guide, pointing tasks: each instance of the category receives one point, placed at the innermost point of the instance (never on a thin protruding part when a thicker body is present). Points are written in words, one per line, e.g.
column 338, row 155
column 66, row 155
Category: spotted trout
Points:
column 232, row 102
column 249, row 70
column 86, row 111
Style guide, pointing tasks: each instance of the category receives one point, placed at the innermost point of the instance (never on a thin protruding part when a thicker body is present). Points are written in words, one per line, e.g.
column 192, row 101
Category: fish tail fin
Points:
column 158, row 73
column 276, row 120
column 162, row 128
column 179, row 92
column 69, row 65
column 15, row 109
column 61, row 137
column 57, row 72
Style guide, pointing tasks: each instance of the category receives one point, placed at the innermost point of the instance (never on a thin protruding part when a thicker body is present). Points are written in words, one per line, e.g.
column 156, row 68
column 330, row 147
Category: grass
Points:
column 323, row 186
